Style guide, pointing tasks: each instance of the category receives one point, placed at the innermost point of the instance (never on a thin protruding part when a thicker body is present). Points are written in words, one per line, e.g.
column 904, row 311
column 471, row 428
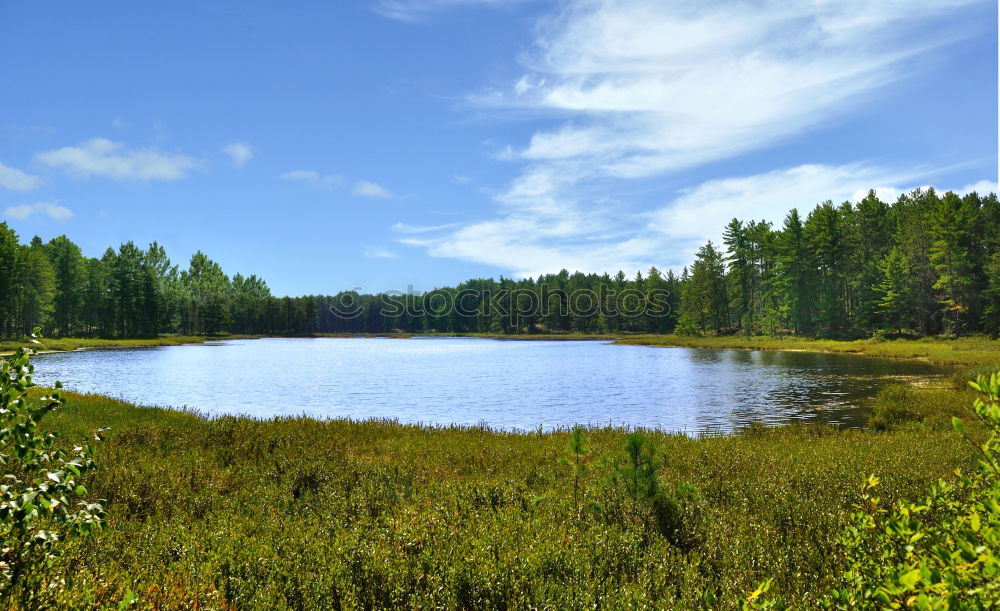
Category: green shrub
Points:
column 41, row 481
column 895, row 404
column 677, row 514
column 680, row 516
column 941, row 553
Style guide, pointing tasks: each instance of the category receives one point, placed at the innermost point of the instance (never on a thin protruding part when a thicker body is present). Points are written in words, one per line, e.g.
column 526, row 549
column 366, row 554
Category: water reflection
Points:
column 506, row 384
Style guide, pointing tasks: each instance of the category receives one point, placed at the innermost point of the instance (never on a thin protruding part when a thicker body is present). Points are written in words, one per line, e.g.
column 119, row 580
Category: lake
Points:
column 504, row 384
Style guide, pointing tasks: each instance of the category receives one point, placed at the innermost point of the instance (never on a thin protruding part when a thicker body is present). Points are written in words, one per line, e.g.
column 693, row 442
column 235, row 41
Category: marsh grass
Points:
column 961, row 352
column 966, row 352
column 297, row 513
column 78, row 343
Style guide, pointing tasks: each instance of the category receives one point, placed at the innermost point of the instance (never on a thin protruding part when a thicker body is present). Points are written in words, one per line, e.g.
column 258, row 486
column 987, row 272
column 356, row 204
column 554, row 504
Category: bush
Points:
column 895, row 404
column 678, row 514
column 938, row 554
column 40, row 483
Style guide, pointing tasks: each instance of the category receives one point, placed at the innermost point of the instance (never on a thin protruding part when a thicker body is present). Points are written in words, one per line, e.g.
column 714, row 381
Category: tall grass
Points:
column 958, row 352
column 77, row 343
column 296, row 513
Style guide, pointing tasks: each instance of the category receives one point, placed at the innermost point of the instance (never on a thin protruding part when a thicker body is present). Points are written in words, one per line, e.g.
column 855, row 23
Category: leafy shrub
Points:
column 676, row 514
column 40, row 483
column 941, row 553
column 894, row 404
column 938, row 554
column 680, row 516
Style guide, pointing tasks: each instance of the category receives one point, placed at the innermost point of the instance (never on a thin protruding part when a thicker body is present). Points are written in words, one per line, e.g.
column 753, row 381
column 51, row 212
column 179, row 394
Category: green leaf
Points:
column 957, row 424
column 909, row 580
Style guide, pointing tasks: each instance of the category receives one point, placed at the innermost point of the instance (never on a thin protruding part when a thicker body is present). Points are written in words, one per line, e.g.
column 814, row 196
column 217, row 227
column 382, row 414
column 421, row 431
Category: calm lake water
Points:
column 504, row 384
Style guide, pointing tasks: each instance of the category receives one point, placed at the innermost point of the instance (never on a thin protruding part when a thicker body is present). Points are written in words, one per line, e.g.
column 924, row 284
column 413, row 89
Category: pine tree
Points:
column 950, row 222
column 893, row 290
column 70, row 279
column 793, row 275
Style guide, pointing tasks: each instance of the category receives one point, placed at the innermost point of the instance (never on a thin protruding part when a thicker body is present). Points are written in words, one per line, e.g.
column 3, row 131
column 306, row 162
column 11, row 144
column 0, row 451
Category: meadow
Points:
column 297, row 513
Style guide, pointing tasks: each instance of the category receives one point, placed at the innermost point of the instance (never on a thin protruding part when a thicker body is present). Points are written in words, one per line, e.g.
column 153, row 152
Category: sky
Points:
column 411, row 144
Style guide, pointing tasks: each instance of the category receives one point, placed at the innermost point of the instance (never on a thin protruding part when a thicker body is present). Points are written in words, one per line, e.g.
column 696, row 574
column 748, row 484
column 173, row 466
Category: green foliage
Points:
column 894, row 290
column 41, row 483
column 924, row 265
column 576, row 457
column 677, row 514
column 940, row 553
column 895, row 404
column 637, row 474
column 295, row 513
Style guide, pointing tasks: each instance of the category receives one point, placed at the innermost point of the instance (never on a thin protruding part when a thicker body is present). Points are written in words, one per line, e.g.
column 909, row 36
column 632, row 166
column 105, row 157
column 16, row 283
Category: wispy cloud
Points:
column 239, row 152
column 17, row 180
column 415, row 10
column 50, row 209
column 102, row 157
column 313, row 178
column 643, row 89
column 561, row 233
column 371, row 189
column 650, row 87
column 981, row 187
column 375, row 252
column 701, row 213
column 412, row 229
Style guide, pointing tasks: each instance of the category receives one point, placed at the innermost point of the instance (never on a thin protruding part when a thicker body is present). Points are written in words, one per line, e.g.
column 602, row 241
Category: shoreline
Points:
column 971, row 351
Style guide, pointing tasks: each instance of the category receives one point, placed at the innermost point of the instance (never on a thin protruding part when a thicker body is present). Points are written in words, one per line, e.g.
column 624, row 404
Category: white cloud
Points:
column 542, row 230
column 982, row 187
column 313, row 178
column 119, row 122
column 652, row 87
column 371, row 189
column 240, row 152
column 411, row 229
column 528, row 240
column 102, row 157
column 644, row 88
column 375, row 252
column 415, row 10
column 886, row 194
column 17, row 180
column 701, row 213
column 51, row 209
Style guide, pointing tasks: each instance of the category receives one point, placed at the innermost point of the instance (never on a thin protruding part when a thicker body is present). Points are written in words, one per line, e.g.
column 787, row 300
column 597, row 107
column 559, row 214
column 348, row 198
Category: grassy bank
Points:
column 303, row 514
column 954, row 352
column 965, row 352
column 79, row 343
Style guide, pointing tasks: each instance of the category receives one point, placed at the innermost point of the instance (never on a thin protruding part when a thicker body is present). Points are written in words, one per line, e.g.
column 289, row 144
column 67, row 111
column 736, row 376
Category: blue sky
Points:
column 332, row 145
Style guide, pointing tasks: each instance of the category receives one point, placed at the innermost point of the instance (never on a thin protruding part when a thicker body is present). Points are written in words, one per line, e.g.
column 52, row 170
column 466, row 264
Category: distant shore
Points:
column 973, row 351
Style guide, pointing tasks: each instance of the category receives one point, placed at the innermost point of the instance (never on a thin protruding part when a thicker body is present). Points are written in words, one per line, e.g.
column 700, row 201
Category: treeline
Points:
column 133, row 292
column 924, row 265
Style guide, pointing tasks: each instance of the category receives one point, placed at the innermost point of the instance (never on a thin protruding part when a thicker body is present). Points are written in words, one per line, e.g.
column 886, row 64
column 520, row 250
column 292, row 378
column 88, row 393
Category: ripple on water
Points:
column 504, row 384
